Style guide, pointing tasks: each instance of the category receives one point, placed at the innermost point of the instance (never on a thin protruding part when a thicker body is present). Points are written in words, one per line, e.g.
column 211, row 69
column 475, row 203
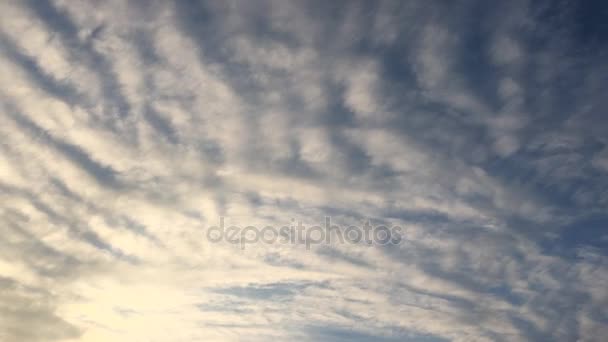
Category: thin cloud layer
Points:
column 130, row 128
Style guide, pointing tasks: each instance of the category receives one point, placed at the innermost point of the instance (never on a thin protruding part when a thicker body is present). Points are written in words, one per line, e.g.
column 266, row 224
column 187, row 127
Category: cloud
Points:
column 129, row 129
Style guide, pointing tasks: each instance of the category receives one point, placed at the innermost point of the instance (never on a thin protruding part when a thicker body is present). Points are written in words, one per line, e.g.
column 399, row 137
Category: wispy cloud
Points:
column 129, row 128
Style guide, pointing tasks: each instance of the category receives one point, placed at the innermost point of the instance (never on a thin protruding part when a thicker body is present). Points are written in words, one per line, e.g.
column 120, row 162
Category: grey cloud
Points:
column 22, row 304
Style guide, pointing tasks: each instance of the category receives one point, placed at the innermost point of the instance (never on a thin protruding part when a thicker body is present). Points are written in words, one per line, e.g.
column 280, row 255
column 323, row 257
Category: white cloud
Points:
column 128, row 130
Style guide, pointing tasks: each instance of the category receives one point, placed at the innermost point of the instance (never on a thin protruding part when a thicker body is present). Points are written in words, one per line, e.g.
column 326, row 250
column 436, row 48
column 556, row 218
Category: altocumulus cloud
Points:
column 129, row 127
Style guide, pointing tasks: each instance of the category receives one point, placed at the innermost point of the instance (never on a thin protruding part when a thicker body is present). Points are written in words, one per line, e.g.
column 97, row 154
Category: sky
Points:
column 475, row 130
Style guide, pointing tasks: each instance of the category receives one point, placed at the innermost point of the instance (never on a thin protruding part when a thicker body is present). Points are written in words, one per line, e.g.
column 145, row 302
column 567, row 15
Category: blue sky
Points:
column 128, row 129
